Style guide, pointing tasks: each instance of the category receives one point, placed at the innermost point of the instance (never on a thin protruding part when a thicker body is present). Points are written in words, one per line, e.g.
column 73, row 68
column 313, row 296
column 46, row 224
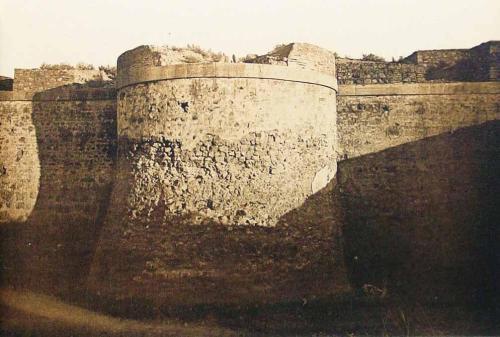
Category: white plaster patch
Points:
column 323, row 177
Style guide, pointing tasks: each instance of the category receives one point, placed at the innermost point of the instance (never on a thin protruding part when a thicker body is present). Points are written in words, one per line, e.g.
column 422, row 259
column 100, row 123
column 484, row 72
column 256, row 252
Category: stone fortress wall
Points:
column 411, row 144
column 57, row 145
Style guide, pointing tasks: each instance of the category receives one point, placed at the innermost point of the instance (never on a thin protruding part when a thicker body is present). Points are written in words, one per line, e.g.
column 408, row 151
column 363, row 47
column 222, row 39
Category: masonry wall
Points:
column 60, row 150
column 19, row 136
column 417, row 181
column 369, row 72
column 487, row 60
column 429, row 58
column 420, row 218
column 373, row 118
column 476, row 64
column 19, row 164
column 6, row 83
column 480, row 63
column 28, row 82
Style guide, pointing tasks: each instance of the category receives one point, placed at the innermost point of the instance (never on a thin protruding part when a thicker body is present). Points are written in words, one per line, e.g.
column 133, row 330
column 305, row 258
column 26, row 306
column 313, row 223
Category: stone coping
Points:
column 135, row 75
column 454, row 88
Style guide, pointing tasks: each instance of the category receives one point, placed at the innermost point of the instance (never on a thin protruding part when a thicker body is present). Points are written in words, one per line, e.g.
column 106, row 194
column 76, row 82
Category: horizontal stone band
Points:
column 135, row 75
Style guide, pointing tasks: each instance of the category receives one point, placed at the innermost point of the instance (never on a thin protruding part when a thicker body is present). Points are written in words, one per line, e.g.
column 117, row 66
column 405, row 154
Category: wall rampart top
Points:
column 304, row 63
column 134, row 75
column 29, row 82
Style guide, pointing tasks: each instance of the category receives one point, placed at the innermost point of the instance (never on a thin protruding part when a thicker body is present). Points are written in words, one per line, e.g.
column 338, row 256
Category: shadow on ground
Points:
column 416, row 226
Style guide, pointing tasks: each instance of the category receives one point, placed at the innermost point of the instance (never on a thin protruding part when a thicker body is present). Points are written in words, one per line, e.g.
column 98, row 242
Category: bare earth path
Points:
column 25, row 312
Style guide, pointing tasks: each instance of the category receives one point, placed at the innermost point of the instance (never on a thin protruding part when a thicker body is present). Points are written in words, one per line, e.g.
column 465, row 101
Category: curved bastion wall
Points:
column 217, row 165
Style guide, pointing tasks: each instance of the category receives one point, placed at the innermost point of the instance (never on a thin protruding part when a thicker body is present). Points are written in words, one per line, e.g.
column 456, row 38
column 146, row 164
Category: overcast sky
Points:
column 97, row 31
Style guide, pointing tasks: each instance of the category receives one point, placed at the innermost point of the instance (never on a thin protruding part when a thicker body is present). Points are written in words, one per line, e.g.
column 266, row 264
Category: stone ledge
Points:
column 129, row 76
column 456, row 88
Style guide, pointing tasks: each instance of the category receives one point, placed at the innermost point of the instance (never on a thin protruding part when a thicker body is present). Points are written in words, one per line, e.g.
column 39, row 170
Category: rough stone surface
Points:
column 157, row 56
column 204, row 166
column 480, row 63
column 300, row 55
column 29, row 82
column 210, row 145
column 379, row 119
column 19, row 164
column 222, row 192
column 421, row 218
column 62, row 172
column 369, row 72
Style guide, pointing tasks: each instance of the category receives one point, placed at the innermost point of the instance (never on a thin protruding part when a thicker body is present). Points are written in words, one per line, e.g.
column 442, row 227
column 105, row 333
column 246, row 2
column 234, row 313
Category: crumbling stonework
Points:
column 19, row 164
column 476, row 64
column 370, row 72
column 300, row 55
column 212, row 144
column 215, row 155
column 215, row 182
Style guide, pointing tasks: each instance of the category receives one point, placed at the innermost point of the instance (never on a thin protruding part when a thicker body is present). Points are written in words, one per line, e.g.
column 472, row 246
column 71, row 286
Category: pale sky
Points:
column 97, row 31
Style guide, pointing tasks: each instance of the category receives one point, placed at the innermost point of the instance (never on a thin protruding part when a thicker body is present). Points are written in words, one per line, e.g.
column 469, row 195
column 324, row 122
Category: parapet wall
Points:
column 369, row 72
column 429, row 58
column 28, row 82
column 6, row 83
column 480, row 63
column 477, row 64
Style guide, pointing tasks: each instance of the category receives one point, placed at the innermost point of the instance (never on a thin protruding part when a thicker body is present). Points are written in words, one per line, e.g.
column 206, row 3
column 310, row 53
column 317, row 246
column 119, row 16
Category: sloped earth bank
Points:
column 392, row 268
column 24, row 313
column 28, row 314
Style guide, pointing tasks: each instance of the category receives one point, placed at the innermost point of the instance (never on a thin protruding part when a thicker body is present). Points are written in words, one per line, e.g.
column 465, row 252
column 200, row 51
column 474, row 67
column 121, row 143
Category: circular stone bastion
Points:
column 223, row 185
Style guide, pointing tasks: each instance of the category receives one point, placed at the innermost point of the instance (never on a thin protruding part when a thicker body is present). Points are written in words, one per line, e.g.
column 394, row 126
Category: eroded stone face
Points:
column 234, row 151
column 19, row 162
column 215, row 178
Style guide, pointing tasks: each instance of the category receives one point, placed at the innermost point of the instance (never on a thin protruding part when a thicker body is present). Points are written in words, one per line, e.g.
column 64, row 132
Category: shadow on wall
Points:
column 421, row 219
column 465, row 70
column 175, row 265
column 75, row 131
